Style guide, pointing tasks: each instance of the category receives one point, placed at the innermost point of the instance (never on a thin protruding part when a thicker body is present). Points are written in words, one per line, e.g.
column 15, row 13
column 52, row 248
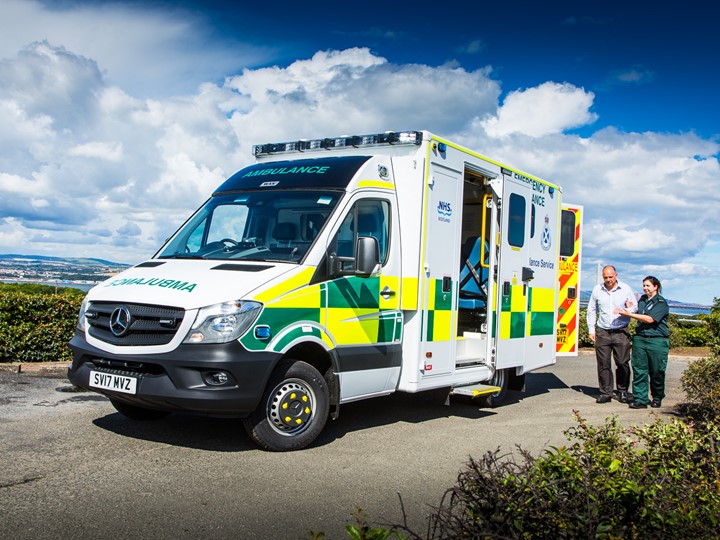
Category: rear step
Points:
column 475, row 390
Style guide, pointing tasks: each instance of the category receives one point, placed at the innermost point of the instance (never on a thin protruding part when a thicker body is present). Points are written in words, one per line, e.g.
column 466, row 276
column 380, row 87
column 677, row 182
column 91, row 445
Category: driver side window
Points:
column 368, row 217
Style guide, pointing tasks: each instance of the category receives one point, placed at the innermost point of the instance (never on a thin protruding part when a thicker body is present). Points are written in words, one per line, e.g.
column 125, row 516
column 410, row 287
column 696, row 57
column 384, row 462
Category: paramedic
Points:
column 650, row 345
column 609, row 331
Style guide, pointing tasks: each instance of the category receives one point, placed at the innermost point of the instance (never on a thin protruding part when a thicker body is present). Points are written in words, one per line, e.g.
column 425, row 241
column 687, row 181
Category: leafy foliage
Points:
column 36, row 326
column 657, row 481
column 701, row 379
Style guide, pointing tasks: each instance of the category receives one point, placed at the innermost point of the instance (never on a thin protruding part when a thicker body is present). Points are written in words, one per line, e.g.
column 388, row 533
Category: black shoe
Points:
column 656, row 403
column 603, row 399
column 636, row 405
column 623, row 397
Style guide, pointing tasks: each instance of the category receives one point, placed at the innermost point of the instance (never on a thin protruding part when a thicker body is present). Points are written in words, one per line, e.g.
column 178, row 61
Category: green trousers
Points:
column 649, row 361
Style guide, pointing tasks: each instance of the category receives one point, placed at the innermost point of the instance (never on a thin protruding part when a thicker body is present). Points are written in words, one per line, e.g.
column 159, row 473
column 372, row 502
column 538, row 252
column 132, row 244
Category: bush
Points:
column 657, row 481
column 713, row 322
column 701, row 383
column 701, row 380
column 36, row 327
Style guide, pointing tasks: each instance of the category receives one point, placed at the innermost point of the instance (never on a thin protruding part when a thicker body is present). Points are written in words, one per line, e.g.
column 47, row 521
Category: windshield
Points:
column 278, row 225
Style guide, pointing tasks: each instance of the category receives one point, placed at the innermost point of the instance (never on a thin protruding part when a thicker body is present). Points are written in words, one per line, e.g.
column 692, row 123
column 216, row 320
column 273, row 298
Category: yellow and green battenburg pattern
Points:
column 537, row 320
column 438, row 321
column 349, row 309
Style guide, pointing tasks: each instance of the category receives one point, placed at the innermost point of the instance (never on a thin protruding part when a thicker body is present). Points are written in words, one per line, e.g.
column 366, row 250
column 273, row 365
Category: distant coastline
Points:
column 82, row 285
column 677, row 308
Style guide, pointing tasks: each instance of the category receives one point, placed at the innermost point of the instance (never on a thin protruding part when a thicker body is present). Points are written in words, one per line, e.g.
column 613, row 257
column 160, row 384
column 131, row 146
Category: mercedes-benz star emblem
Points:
column 120, row 321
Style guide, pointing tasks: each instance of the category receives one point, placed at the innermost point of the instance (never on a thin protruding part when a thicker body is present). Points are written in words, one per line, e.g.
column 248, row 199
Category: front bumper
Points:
column 175, row 381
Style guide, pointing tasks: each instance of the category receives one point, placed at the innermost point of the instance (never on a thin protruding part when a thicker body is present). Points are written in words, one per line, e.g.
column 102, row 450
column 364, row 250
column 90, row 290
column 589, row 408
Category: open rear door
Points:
column 568, row 319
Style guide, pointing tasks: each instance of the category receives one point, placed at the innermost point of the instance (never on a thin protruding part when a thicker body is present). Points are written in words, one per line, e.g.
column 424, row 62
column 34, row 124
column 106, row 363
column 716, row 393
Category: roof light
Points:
column 352, row 141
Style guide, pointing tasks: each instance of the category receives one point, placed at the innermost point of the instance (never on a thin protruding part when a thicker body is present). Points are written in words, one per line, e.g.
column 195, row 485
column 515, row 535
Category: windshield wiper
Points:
column 181, row 256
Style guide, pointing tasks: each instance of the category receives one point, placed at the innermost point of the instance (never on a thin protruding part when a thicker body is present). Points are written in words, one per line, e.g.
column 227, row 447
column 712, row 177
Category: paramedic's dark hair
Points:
column 655, row 281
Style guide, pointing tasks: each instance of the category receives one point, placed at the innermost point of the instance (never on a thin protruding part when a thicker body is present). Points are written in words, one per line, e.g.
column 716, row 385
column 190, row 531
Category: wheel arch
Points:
column 326, row 362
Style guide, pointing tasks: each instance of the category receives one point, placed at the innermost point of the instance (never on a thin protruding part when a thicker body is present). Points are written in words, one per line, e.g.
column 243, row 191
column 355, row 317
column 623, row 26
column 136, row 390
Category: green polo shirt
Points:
column 657, row 307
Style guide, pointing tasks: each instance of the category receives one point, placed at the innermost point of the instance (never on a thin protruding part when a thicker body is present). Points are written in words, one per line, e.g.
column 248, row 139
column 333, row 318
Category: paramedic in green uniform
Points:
column 650, row 345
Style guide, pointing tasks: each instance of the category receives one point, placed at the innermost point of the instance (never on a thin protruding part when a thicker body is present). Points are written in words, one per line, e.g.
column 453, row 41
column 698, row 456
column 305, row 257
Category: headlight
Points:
column 82, row 323
column 224, row 322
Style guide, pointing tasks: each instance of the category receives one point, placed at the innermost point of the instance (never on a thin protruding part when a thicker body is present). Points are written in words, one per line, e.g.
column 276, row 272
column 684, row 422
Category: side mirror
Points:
column 368, row 255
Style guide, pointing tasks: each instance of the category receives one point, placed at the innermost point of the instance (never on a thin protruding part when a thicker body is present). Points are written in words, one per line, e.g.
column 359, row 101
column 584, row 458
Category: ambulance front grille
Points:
column 133, row 324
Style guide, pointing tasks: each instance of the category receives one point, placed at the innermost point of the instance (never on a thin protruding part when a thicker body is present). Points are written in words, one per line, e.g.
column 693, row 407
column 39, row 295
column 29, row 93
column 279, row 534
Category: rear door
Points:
column 568, row 329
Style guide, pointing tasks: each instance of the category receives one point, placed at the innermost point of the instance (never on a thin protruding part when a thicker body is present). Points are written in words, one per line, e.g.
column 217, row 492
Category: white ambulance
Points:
column 334, row 270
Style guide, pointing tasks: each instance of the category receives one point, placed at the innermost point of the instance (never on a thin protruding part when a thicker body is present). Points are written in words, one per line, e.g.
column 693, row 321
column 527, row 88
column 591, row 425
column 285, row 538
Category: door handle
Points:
column 387, row 292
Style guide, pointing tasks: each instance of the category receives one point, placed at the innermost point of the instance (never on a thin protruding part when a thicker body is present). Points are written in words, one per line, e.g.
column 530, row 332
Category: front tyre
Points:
column 293, row 410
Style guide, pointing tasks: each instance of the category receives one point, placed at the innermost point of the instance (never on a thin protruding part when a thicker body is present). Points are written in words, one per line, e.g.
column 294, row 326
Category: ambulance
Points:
column 334, row 270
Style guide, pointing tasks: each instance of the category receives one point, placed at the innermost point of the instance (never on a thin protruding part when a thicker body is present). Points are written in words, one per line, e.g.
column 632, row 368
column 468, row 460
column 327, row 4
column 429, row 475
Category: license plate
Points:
column 116, row 383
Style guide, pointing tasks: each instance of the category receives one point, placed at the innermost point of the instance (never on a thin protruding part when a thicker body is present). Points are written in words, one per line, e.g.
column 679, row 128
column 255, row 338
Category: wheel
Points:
column 293, row 410
column 137, row 413
column 500, row 379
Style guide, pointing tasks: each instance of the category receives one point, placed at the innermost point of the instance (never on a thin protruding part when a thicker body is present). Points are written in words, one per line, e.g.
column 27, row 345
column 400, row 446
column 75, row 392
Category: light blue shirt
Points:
column 602, row 304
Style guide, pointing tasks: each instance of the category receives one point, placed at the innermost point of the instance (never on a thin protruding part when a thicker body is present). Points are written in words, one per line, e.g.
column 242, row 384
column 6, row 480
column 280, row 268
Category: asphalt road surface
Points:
column 71, row 467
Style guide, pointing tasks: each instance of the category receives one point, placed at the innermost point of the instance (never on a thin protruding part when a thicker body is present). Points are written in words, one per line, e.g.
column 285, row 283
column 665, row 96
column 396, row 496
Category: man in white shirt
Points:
column 609, row 332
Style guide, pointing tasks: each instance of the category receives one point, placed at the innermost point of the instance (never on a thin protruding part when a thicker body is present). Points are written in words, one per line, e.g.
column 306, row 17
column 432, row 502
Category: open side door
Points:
column 527, row 273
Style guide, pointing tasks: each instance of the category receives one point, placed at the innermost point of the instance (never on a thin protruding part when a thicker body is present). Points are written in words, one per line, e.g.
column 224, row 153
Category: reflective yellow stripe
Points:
column 375, row 184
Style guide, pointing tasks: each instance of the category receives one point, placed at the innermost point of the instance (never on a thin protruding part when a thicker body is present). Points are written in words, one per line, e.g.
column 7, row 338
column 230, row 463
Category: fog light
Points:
column 216, row 378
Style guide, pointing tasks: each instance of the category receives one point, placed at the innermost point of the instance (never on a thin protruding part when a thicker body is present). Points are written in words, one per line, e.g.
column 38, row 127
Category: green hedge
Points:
column 36, row 326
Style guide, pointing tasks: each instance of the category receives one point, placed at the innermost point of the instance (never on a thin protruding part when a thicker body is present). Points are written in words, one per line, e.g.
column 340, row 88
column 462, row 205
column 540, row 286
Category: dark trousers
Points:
column 649, row 360
column 609, row 345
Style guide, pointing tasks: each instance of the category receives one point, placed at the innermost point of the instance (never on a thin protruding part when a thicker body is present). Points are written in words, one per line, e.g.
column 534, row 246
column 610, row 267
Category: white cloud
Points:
column 353, row 91
column 99, row 150
column 543, row 110
column 147, row 49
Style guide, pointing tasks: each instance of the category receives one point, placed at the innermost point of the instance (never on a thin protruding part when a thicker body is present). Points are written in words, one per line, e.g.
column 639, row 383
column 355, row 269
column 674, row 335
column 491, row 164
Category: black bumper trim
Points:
column 174, row 381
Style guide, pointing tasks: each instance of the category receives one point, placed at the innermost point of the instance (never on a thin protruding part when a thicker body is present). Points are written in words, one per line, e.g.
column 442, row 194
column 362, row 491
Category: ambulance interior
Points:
column 475, row 254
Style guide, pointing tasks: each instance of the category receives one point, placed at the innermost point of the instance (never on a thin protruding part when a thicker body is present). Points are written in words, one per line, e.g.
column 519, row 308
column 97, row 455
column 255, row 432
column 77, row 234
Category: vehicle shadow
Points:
column 228, row 435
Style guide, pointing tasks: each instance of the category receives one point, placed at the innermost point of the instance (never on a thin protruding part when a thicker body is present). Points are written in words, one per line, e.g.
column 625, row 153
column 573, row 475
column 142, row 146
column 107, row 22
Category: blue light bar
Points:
column 353, row 141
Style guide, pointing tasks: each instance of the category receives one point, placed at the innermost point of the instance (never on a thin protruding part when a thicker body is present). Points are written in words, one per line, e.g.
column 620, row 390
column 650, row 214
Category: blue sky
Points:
column 118, row 118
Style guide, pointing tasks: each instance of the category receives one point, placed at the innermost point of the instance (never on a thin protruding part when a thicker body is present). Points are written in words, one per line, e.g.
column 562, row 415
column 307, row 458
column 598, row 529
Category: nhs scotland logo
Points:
column 444, row 211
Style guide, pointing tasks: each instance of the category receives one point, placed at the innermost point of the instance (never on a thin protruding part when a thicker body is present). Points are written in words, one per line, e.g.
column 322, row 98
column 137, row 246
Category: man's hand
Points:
column 592, row 337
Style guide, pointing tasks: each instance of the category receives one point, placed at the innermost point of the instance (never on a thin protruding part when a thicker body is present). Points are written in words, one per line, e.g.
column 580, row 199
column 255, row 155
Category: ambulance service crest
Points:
column 546, row 239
